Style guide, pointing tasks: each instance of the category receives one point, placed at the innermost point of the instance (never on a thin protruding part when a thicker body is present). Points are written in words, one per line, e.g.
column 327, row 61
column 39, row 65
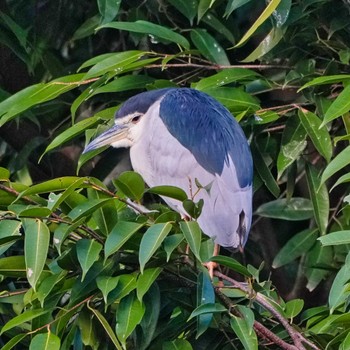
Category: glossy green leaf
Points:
column 226, row 76
column 232, row 264
column 293, row 144
column 13, row 266
column 128, row 316
column 115, row 63
column 4, row 174
column 319, row 197
column 217, row 25
column 245, row 333
column 209, row 47
column 8, row 229
column 335, row 238
column 87, row 28
column 328, row 79
column 45, row 341
column 131, row 184
column 149, row 28
column 177, row 344
column 108, row 9
column 86, row 209
column 36, row 246
column 203, row 7
column 207, row 309
column 264, row 171
column 35, row 212
column 266, row 45
column 106, row 284
column 87, row 327
column 206, row 250
column 340, row 289
column 193, row 236
column 270, row 8
column 170, row 243
column 336, row 164
column 48, row 284
column 106, row 327
column 120, row 234
column 151, row 241
column 88, row 251
column 187, row 8
column 145, row 280
column 340, row 106
column 205, row 295
column 293, row 308
column 14, row 341
column 126, row 284
column 234, row 5
column 318, row 134
column 293, row 209
column 169, row 191
column 22, row 319
column 298, row 245
column 342, row 179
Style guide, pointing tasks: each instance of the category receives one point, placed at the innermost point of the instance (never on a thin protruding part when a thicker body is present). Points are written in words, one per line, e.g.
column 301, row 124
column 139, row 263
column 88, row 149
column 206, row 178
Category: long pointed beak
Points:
column 114, row 134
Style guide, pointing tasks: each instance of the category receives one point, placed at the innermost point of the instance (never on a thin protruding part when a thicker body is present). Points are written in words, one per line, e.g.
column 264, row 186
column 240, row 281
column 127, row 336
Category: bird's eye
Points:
column 136, row 118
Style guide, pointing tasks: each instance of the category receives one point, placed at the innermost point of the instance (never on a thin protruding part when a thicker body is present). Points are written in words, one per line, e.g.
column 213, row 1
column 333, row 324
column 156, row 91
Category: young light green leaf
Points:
column 271, row 7
column 128, row 316
column 151, row 241
column 120, row 234
column 335, row 238
column 293, row 308
column 319, row 197
column 244, row 332
column 45, row 341
column 4, row 173
column 145, row 281
column 293, row 144
column 293, row 209
column 88, row 251
column 298, row 245
column 318, row 134
column 36, row 246
column 209, row 47
column 131, row 184
column 340, row 106
column 150, row 29
column 193, row 236
column 336, row 164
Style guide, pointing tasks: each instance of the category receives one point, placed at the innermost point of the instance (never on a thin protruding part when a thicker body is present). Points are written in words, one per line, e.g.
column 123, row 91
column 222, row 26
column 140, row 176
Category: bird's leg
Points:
column 211, row 265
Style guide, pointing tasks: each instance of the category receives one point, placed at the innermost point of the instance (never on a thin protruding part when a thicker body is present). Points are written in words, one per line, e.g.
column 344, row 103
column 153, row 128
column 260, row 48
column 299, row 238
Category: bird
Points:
column 183, row 137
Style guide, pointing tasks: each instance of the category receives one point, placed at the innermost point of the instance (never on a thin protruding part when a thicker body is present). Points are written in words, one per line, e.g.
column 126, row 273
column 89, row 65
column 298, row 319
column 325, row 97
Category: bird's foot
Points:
column 211, row 266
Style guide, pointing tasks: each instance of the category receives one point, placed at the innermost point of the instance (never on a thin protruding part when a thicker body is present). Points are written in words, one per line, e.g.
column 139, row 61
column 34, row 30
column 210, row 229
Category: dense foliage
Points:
column 84, row 264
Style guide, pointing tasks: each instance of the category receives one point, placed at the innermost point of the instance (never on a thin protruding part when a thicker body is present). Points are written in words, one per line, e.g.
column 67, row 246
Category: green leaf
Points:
column 206, row 250
column 13, row 266
column 293, row 209
column 298, row 245
column 106, row 284
column 36, row 246
column 128, row 316
column 193, row 236
column 120, row 234
column 48, row 284
column 45, row 341
column 145, row 281
column 338, row 163
column 116, row 63
column 226, row 76
column 207, row 309
column 232, row 264
column 233, row 5
column 177, row 344
column 293, row 144
column 14, row 341
column 203, row 7
column 86, row 209
column 266, row 45
column 131, row 184
column 335, row 238
column 170, row 243
column 169, row 191
column 244, row 332
column 209, row 47
column 187, row 8
column 318, row 134
column 126, row 284
column 4, row 174
column 108, row 9
column 319, row 197
column 340, row 289
column 282, row 12
column 342, row 179
column 212, row 21
column 22, row 319
column 340, row 106
column 328, row 79
column 151, row 241
column 8, row 229
column 150, row 29
column 270, row 8
column 88, row 251
column 293, row 308
column 106, row 327
column 87, row 28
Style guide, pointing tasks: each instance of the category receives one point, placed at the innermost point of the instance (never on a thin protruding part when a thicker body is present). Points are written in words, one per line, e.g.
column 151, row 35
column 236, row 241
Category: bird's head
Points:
column 129, row 121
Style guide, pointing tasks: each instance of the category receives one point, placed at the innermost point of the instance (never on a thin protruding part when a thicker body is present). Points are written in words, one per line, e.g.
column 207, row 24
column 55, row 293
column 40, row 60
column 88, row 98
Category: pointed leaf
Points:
column 335, row 238
column 328, row 79
column 169, row 191
column 151, row 241
column 170, row 243
column 340, row 106
column 108, row 9
column 86, row 209
column 177, row 344
column 207, row 309
column 36, row 246
column 126, row 284
column 193, row 236
column 88, row 251
column 187, row 8
column 232, row 264
column 131, row 184
column 45, row 341
column 106, row 284
column 14, row 341
column 145, row 281
column 245, row 333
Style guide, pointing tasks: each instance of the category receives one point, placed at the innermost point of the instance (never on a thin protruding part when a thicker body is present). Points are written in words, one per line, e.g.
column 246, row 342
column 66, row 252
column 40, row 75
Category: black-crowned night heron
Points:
column 180, row 137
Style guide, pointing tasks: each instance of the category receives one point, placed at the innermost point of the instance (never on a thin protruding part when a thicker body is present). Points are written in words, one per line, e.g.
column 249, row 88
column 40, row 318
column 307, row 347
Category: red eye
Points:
column 136, row 118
